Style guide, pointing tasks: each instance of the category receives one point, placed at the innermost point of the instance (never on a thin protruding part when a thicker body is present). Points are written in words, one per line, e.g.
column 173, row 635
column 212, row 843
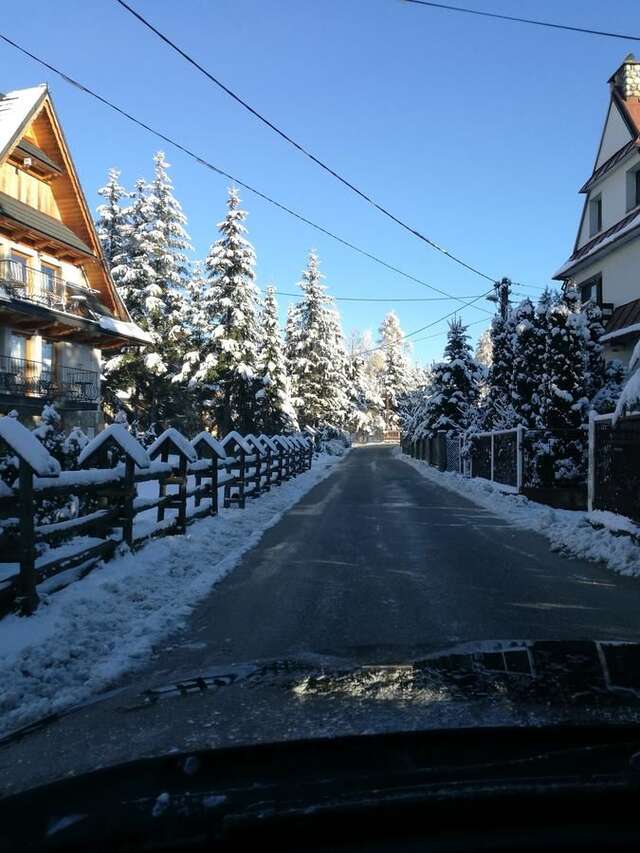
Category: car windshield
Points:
column 304, row 472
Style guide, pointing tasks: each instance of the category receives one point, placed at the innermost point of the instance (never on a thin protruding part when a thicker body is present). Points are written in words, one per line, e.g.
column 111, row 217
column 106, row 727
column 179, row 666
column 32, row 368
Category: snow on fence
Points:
column 614, row 465
column 117, row 484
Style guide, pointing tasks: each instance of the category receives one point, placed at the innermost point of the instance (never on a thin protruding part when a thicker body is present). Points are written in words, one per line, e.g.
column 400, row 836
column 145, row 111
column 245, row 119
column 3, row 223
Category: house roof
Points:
column 622, row 320
column 611, row 163
column 32, row 218
column 29, row 110
column 605, row 239
column 16, row 110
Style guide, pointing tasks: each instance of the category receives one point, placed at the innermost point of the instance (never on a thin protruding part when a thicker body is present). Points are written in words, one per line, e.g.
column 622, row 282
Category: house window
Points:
column 633, row 188
column 49, row 277
column 19, row 267
column 18, row 346
column 591, row 290
column 595, row 216
column 47, row 358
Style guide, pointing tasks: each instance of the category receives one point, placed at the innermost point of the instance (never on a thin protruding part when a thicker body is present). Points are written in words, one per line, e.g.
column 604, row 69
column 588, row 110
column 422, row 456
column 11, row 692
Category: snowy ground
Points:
column 568, row 531
column 85, row 636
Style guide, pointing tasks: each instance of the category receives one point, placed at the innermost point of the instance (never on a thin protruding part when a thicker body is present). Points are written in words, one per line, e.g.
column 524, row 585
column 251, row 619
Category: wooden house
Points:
column 59, row 308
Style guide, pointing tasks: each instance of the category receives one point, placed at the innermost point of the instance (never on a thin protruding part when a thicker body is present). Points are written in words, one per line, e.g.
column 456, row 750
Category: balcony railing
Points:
column 41, row 288
column 22, row 377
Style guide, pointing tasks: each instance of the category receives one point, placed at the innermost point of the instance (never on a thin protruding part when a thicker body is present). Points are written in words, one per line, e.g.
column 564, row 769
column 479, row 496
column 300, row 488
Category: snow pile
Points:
column 568, row 531
column 84, row 637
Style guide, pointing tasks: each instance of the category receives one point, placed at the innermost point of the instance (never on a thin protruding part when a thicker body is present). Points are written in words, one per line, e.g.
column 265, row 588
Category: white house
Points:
column 605, row 263
column 59, row 308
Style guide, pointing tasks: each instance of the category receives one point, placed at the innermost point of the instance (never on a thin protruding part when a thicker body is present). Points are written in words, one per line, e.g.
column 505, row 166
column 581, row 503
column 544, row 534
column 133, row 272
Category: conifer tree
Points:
column 275, row 411
column 595, row 366
column 112, row 224
column 395, row 377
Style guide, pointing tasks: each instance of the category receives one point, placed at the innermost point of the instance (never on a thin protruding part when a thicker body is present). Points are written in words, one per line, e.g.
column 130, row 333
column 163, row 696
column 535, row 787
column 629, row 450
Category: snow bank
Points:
column 85, row 636
column 568, row 531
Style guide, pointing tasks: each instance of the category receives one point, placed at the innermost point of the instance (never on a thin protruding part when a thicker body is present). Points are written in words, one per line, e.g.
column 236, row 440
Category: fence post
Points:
column 213, row 506
column 28, row 595
column 591, row 473
column 492, row 453
column 520, row 457
column 241, row 478
column 182, row 494
column 128, row 499
column 162, row 486
column 460, row 459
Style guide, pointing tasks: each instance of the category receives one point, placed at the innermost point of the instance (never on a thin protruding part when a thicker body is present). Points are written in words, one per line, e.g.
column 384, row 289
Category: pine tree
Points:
column 595, row 365
column 527, row 366
column 275, row 410
column 453, row 394
column 606, row 398
column 312, row 344
column 484, row 349
column 500, row 413
column 113, row 222
column 563, row 401
column 395, row 377
column 229, row 334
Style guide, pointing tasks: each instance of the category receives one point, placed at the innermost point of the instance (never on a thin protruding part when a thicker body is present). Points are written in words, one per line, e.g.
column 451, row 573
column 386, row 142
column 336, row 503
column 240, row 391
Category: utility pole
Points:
column 501, row 294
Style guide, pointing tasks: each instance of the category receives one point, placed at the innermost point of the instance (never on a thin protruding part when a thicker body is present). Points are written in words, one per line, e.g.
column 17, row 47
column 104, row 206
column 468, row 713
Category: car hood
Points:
column 488, row 684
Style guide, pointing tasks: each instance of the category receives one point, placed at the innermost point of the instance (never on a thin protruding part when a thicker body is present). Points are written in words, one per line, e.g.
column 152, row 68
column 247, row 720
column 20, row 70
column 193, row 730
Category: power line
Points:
column 227, row 175
column 300, row 147
column 446, row 7
column 381, row 298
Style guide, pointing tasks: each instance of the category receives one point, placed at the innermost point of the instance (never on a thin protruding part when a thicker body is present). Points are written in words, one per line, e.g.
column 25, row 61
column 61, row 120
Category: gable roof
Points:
column 622, row 229
column 31, row 110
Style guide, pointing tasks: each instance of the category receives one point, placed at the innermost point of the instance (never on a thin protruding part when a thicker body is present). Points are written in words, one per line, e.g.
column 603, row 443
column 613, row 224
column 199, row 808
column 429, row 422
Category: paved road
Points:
column 377, row 563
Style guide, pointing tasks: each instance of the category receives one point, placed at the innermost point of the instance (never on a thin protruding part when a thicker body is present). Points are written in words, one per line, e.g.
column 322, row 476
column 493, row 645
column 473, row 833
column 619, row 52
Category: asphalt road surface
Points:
column 375, row 565
column 377, row 561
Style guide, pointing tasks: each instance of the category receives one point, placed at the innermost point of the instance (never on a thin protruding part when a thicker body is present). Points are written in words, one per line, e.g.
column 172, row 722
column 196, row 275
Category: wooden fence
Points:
column 614, row 465
column 189, row 475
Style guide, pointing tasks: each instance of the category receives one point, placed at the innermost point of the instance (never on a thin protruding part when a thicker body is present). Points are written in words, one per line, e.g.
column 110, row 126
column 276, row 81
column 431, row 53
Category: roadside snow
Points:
column 568, row 531
column 87, row 635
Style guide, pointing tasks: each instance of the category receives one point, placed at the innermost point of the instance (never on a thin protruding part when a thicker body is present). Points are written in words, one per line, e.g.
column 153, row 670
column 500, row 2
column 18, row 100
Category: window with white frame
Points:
column 595, row 215
column 633, row 188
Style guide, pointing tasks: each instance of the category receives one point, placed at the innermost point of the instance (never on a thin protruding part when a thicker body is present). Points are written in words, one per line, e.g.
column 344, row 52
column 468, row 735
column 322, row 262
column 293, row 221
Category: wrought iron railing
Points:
column 22, row 377
column 42, row 288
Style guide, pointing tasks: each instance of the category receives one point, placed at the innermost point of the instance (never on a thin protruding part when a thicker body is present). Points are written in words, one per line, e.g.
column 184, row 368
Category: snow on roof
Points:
column 175, row 437
column 122, row 437
column 239, row 440
column 24, row 443
column 599, row 242
column 15, row 110
column 127, row 330
column 265, row 439
column 212, row 443
column 618, row 333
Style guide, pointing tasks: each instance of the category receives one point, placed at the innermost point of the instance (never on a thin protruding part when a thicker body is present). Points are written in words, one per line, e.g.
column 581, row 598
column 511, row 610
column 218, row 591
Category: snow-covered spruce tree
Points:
column 227, row 358
column 606, row 399
column 563, row 401
column 594, row 365
column 311, row 347
column 454, row 387
column 527, row 364
column 151, row 275
column 395, row 376
column 484, row 349
column 275, row 409
column 113, row 220
column 340, row 375
column 499, row 411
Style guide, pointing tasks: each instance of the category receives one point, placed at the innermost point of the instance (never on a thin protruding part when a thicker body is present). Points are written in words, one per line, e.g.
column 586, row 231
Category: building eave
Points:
column 601, row 249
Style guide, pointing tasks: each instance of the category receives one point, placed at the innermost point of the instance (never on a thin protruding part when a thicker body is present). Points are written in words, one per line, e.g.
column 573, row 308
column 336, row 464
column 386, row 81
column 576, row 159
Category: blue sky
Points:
column 477, row 132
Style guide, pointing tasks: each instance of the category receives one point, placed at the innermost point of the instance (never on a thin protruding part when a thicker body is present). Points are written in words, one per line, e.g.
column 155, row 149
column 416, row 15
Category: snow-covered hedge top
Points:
column 234, row 436
column 212, row 443
column 265, row 439
column 123, row 438
column 173, row 437
column 24, row 443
